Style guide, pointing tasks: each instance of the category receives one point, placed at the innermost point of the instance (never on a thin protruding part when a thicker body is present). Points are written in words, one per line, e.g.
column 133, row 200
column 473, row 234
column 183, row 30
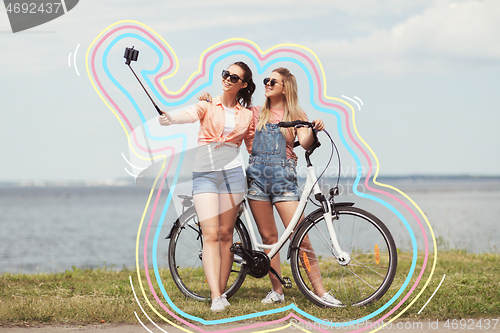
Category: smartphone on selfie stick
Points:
column 131, row 55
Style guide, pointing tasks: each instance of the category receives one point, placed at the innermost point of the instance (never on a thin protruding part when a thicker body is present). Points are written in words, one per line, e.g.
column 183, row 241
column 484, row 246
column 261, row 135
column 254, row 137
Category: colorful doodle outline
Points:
column 135, row 25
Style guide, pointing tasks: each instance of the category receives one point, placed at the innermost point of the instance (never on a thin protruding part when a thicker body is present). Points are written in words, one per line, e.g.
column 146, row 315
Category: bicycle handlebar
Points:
column 295, row 123
column 298, row 124
column 316, row 144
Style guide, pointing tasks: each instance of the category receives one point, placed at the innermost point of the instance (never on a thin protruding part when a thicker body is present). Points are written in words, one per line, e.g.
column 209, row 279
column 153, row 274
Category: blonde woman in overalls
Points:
column 272, row 174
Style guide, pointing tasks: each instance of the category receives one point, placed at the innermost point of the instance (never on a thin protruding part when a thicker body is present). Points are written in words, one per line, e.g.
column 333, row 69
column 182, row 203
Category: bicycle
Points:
column 353, row 250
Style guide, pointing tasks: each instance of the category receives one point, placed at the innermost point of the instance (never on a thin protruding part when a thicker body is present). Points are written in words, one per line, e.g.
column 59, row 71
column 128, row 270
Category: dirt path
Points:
column 468, row 325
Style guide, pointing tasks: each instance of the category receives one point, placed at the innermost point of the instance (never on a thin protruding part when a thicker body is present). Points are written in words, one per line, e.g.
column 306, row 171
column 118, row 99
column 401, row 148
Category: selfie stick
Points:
column 132, row 55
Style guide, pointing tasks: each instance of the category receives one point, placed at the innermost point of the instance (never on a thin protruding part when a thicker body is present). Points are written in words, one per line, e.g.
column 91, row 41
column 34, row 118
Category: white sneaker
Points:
column 217, row 305
column 224, row 300
column 273, row 297
column 330, row 299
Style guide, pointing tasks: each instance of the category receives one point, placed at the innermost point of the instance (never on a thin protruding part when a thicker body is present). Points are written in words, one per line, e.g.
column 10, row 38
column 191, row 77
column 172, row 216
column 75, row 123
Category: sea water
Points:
column 49, row 228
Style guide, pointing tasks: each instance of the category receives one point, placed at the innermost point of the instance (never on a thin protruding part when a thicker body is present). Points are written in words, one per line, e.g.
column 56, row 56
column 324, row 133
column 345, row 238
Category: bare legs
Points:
column 264, row 218
column 262, row 212
column 217, row 214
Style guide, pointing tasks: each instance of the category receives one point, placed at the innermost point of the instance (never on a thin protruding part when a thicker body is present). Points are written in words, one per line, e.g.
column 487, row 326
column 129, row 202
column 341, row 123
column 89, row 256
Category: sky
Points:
column 427, row 72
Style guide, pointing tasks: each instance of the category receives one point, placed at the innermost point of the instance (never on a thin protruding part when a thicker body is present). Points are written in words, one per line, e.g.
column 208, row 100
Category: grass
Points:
column 471, row 289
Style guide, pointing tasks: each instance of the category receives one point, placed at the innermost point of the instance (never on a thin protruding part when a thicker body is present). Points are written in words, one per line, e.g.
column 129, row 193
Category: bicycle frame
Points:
column 312, row 238
column 310, row 186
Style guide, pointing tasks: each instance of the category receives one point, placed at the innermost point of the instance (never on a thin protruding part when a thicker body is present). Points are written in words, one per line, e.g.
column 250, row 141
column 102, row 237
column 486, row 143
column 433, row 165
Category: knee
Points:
column 210, row 237
column 226, row 234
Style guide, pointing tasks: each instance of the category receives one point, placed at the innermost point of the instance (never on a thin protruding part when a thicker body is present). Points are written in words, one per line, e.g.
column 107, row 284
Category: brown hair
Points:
column 244, row 95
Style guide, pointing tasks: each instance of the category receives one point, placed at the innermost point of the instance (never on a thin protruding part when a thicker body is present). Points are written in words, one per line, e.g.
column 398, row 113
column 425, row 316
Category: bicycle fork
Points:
column 329, row 214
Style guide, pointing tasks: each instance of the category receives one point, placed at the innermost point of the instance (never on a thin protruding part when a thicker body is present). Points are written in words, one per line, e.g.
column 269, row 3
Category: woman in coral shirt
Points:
column 218, row 177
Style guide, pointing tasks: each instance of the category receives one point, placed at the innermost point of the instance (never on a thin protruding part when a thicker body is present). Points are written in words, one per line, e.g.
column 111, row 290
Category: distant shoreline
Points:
column 131, row 183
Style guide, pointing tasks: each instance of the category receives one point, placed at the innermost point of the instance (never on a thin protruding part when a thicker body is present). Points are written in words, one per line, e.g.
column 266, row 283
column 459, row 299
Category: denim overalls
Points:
column 270, row 175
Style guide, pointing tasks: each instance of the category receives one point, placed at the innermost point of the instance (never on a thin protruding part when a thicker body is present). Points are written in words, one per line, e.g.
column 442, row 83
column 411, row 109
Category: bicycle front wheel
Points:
column 364, row 278
column 185, row 257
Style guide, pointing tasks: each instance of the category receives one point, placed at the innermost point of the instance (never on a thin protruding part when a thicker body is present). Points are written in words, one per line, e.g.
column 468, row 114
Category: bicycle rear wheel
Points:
column 185, row 257
column 364, row 278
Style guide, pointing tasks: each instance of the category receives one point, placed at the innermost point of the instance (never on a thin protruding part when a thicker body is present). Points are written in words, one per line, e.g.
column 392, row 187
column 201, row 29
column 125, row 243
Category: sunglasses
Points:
column 271, row 82
column 232, row 77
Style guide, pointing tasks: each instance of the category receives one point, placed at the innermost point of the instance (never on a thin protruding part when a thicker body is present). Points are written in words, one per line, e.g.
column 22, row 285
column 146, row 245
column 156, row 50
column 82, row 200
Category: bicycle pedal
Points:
column 235, row 247
column 288, row 282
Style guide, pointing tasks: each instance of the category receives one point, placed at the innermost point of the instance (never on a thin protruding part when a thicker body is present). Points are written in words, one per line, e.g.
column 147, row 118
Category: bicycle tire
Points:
column 184, row 257
column 367, row 276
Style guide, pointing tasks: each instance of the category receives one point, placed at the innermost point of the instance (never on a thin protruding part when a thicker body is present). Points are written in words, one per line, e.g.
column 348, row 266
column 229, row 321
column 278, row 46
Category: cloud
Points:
column 41, row 50
column 449, row 35
column 383, row 36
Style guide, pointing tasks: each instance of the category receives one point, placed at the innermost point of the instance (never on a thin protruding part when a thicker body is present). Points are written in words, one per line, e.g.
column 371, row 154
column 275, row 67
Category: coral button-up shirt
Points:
column 212, row 119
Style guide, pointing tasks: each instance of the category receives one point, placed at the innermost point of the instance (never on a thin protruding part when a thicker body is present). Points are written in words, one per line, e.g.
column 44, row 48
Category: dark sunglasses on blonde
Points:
column 271, row 82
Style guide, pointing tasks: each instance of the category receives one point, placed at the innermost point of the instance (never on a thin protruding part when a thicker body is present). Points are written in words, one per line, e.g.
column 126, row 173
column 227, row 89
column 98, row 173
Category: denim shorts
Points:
column 225, row 181
column 271, row 181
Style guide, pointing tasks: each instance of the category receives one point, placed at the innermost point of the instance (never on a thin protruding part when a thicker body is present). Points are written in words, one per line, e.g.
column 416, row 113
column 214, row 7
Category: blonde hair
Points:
column 290, row 101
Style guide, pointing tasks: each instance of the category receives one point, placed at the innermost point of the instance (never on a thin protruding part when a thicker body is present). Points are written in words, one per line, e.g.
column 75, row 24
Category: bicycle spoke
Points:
column 368, row 273
column 186, row 267
column 360, row 278
column 327, row 243
column 371, row 269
